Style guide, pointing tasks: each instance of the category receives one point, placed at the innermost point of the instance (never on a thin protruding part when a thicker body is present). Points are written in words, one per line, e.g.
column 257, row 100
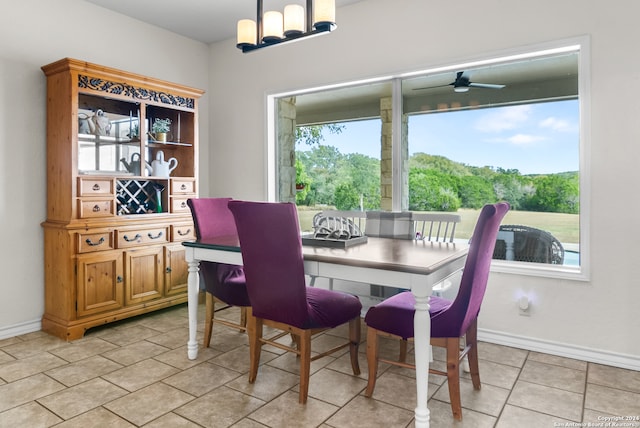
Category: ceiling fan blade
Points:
column 462, row 81
column 485, row 85
column 433, row 87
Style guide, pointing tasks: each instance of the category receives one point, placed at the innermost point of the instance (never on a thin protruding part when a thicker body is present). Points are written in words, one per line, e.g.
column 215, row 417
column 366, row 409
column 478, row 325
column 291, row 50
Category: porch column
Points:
column 287, row 151
column 386, row 154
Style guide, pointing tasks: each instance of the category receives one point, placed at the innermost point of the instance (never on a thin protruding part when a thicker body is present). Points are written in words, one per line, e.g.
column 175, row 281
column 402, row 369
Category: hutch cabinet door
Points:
column 176, row 270
column 143, row 274
column 100, row 282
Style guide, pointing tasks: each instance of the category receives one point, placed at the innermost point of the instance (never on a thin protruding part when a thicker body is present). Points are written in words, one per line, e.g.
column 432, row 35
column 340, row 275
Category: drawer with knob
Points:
column 182, row 232
column 97, row 241
column 179, row 205
column 96, row 208
column 127, row 238
column 183, row 186
column 95, row 186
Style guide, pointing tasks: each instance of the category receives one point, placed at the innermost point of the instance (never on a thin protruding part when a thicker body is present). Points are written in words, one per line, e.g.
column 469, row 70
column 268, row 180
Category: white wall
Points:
column 597, row 320
column 34, row 33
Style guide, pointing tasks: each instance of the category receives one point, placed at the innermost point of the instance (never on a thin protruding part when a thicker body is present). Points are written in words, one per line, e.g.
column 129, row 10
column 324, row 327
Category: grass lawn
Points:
column 565, row 227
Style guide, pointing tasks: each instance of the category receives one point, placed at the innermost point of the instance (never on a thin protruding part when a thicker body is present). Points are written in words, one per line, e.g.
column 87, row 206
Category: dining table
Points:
column 415, row 265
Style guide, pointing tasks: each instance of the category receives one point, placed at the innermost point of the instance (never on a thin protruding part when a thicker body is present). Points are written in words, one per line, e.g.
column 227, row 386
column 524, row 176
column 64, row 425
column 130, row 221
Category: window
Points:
column 443, row 146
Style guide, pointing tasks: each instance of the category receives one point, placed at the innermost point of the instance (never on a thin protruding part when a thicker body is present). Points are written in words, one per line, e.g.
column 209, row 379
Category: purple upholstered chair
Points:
column 272, row 255
column 450, row 320
column 224, row 283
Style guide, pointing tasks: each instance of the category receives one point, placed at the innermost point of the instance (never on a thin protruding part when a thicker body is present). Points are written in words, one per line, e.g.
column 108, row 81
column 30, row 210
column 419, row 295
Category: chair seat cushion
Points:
column 328, row 308
column 395, row 314
column 226, row 282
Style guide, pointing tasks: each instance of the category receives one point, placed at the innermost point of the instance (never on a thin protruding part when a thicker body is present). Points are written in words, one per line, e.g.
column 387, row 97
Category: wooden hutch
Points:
column 114, row 230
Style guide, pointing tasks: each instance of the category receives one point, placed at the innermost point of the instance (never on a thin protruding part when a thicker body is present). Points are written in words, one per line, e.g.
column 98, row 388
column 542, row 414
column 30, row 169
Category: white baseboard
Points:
column 561, row 349
column 625, row 361
column 19, row 329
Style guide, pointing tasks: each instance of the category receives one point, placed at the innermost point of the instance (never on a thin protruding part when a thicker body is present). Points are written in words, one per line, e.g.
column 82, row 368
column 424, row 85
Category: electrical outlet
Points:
column 524, row 306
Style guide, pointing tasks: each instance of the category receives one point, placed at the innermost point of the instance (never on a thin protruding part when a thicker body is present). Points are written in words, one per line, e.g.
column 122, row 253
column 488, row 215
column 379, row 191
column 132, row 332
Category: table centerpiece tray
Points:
column 321, row 241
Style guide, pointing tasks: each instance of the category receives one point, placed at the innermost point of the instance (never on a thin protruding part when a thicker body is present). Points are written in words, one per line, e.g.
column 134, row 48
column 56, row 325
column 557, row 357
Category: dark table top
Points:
column 403, row 255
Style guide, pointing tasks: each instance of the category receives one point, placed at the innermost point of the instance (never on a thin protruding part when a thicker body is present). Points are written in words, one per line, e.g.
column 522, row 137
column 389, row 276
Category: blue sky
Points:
column 535, row 138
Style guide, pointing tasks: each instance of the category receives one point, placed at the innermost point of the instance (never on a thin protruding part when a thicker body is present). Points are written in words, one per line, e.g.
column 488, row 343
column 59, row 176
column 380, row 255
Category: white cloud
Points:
column 519, row 139
column 524, row 139
column 503, row 119
column 556, row 124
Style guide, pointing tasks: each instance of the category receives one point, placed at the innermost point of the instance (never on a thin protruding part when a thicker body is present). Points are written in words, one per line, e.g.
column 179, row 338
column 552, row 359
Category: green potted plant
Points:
column 134, row 133
column 160, row 128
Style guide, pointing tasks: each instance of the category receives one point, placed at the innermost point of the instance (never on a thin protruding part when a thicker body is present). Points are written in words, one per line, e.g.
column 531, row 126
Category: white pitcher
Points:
column 162, row 168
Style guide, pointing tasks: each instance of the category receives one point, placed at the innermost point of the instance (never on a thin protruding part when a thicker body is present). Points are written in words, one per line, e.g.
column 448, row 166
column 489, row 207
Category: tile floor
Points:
column 136, row 373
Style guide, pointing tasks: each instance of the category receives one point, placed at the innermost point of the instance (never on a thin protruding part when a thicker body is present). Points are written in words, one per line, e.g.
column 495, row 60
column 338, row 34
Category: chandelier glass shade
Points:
column 274, row 27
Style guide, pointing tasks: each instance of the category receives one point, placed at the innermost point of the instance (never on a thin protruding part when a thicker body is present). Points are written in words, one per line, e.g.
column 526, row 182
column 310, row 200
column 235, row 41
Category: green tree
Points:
column 431, row 190
column 313, row 135
column 556, row 193
column 318, row 163
column 346, row 197
column 512, row 187
column 321, row 163
column 475, row 191
column 362, row 173
column 435, row 183
column 439, row 163
column 330, row 169
column 484, row 171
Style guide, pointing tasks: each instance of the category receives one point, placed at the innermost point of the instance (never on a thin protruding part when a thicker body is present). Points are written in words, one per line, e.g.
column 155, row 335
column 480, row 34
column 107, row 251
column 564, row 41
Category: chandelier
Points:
column 273, row 27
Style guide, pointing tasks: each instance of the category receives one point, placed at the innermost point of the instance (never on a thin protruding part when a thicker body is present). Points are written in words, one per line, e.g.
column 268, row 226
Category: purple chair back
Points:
column 211, row 217
column 455, row 320
column 272, row 256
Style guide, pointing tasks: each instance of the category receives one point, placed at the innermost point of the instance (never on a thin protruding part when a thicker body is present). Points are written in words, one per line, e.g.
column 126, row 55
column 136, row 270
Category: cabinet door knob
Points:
column 96, row 187
column 96, row 208
column 118, row 279
column 135, row 238
column 168, row 269
column 183, row 187
column 183, row 204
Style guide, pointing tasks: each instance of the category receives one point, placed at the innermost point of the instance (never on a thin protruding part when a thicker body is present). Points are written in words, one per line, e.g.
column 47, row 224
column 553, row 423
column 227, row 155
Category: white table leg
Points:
column 422, row 339
column 465, row 365
column 193, row 283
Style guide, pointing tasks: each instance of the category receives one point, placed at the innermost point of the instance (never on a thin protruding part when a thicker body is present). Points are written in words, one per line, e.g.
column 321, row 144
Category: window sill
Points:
column 574, row 273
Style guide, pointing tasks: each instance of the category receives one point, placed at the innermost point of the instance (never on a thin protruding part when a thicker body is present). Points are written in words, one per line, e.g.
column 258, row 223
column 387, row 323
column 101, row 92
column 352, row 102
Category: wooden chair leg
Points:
column 208, row 318
column 354, row 344
column 254, row 331
column 453, row 376
column 305, row 364
column 372, row 360
column 403, row 351
column 472, row 355
column 243, row 317
column 296, row 342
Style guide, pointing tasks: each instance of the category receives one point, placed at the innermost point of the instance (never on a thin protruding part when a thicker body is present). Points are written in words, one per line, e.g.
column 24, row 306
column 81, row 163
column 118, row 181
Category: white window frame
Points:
column 580, row 44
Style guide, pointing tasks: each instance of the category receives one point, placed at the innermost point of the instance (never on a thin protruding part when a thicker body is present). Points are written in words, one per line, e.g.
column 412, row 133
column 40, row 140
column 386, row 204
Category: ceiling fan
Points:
column 462, row 84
